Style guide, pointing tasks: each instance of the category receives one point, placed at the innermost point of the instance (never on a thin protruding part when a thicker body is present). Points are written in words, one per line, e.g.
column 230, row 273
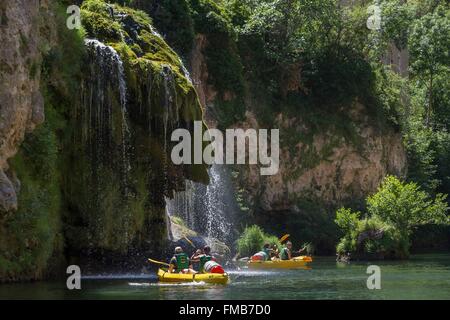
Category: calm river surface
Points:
column 421, row 277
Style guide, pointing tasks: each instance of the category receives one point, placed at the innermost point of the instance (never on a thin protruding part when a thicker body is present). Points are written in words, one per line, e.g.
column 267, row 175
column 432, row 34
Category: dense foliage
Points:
column 252, row 240
column 392, row 215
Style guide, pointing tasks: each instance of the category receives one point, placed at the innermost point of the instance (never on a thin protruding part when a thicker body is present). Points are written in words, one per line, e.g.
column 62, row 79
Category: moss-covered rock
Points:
column 134, row 93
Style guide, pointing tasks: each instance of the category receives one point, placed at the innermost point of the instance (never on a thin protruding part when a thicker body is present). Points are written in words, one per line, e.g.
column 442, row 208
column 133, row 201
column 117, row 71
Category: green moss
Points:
column 32, row 236
column 173, row 19
column 115, row 208
column 31, row 239
column 23, row 48
column 3, row 17
column 253, row 239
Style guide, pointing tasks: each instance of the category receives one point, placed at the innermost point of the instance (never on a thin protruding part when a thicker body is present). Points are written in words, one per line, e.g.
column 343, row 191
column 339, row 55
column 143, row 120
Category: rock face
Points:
column 21, row 103
column 327, row 167
column 199, row 71
column 179, row 234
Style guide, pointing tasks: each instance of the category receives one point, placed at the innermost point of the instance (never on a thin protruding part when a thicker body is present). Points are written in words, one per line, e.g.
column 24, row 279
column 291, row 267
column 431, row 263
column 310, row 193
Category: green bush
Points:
column 253, row 239
column 393, row 213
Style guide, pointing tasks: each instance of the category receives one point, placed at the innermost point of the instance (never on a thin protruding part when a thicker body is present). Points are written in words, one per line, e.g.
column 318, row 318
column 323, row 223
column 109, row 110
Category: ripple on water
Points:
column 116, row 276
column 161, row 284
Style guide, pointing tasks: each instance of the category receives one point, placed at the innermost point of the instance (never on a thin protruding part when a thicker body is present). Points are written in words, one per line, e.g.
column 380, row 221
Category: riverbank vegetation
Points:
column 253, row 239
column 393, row 213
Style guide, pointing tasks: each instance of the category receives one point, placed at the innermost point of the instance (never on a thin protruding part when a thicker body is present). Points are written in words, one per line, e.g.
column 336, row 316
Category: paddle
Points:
column 158, row 262
column 190, row 242
column 283, row 238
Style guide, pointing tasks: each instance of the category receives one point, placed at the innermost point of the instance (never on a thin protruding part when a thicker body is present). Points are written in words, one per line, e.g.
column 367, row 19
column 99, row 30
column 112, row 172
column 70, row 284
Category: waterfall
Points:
column 208, row 210
column 106, row 138
column 218, row 204
column 111, row 66
column 184, row 70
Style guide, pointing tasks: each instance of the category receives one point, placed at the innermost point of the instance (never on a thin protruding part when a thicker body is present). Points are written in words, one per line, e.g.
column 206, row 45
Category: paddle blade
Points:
column 190, row 242
column 283, row 238
column 158, row 262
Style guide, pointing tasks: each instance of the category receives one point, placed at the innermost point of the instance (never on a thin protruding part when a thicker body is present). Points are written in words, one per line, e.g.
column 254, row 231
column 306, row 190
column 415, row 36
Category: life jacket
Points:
column 213, row 267
column 182, row 261
column 204, row 259
column 284, row 254
column 260, row 256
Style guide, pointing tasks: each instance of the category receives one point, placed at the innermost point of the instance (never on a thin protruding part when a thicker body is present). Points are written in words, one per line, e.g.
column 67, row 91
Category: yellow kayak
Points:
column 297, row 262
column 215, row 278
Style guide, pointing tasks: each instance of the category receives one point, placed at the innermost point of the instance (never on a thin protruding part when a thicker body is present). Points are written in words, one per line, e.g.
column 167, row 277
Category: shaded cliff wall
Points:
column 21, row 103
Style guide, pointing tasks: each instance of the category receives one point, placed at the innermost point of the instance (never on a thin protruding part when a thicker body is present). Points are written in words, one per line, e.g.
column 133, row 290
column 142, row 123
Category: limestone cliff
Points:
column 21, row 103
column 328, row 167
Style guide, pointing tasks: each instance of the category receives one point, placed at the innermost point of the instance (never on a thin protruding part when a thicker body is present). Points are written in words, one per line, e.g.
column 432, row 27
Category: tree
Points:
column 290, row 27
column 429, row 43
column 393, row 212
column 173, row 19
column 406, row 206
column 347, row 220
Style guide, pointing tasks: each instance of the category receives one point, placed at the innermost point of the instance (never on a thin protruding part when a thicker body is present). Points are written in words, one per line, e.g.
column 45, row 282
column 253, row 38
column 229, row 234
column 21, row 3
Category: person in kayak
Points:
column 275, row 252
column 267, row 251
column 207, row 262
column 203, row 258
column 264, row 254
column 286, row 251
column 180, row 262
column 194, row 259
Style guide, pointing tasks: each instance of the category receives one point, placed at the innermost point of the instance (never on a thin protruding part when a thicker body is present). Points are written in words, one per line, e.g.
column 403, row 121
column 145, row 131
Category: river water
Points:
column 421, row 277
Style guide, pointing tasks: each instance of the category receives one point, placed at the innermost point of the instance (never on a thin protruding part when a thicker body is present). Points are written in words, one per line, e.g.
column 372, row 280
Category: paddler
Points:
column 194, row 259
column 267, row 251
column 203, row 258
column 264, row 254
column 180, row 262
column 207, row 262
column 275, row 252
column 286, row 251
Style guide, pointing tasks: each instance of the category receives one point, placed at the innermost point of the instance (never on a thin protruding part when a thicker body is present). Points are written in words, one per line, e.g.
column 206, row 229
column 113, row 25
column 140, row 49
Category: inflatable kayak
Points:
column 215, row 278
column 297, row 262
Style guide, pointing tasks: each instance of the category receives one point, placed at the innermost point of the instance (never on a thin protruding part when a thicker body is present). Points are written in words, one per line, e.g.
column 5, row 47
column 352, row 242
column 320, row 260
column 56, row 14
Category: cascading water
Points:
column 205, row 209
column 106, row 133
column 219, row 202
column 111, row 64
column 208, row 210
column 118, row 142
